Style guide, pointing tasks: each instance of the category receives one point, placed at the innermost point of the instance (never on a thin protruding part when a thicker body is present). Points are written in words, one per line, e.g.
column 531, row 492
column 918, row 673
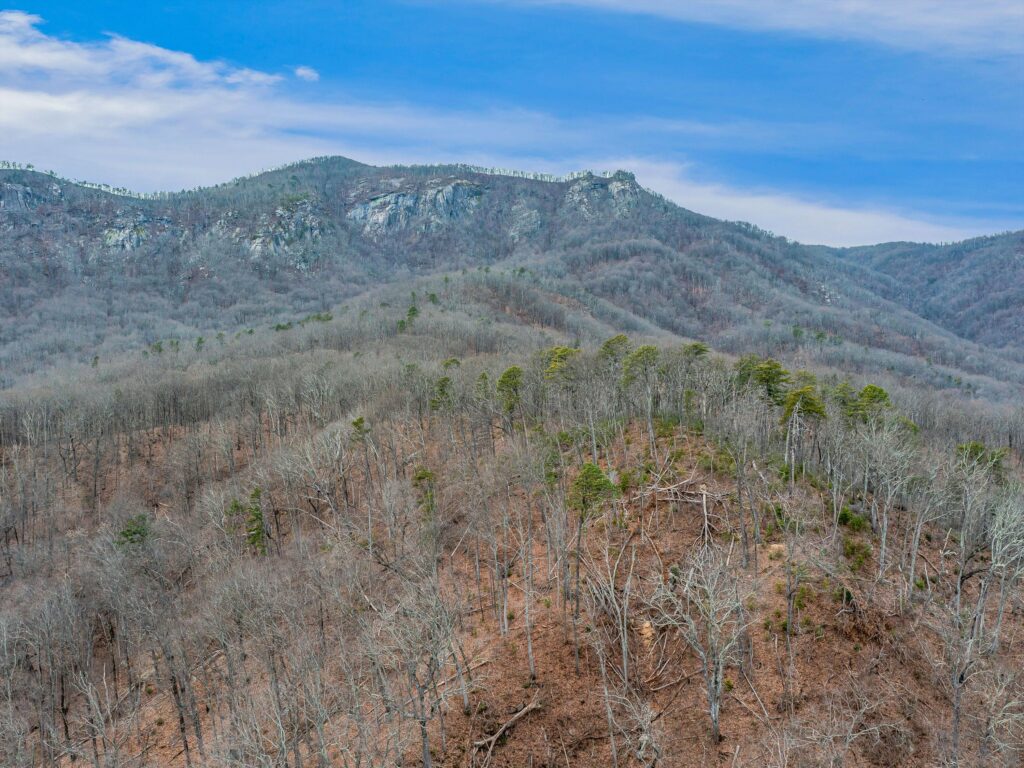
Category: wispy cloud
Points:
column 306, row 73
column 26, row 53
column 145, row 117
column 986, row 27
column 800, row 218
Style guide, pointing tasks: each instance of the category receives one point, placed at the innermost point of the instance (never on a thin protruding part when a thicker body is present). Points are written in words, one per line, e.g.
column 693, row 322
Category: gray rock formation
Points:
column 429, row 209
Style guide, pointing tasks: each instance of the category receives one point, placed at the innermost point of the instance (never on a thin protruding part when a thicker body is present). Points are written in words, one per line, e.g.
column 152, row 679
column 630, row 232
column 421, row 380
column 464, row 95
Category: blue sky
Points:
column 837, row 121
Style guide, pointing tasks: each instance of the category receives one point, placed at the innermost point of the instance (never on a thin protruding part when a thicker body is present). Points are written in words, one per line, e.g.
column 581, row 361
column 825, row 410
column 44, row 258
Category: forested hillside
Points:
column 973, row 287
column 351, row 466
column 428, row 529
column 87, row 272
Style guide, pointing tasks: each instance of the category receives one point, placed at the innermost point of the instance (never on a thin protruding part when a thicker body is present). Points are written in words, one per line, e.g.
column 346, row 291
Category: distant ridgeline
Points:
column 531, row 175
column 461, row 167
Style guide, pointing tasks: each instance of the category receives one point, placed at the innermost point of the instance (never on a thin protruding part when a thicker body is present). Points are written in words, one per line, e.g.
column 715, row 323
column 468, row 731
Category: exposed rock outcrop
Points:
column 592, row 196
column 126, row 237
column 17, row 197
column 291, row 224
column 428, row 209
column 525, row 221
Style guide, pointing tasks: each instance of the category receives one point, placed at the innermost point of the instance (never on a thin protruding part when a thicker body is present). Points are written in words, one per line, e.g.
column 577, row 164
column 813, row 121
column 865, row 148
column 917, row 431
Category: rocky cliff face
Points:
column 16, row 197
column 428, row 209
column 524, row 222
column 593, row 196
column 290, row 228
column 127, row 237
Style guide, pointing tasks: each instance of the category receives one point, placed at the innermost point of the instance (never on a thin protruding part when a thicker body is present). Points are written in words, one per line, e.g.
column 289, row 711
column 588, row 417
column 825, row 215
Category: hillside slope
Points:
column 975, row 288
column 88, row 272
column 443, row 537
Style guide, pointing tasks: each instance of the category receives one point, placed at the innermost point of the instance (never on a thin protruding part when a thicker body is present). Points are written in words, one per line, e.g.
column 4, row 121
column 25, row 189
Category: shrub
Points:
column 803, row 595
column 135, row 532
column 857, row 552
column 852, row 520
column 665, row 426
column 843, row 595
column 716, row 461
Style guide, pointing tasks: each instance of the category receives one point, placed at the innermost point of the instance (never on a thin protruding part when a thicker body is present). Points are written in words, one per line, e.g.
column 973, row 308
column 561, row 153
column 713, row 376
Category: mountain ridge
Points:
column 124, row 272
column 512, row 173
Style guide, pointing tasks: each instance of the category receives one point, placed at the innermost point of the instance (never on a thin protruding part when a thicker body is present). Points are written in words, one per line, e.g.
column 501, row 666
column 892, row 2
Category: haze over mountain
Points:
column 92, row 272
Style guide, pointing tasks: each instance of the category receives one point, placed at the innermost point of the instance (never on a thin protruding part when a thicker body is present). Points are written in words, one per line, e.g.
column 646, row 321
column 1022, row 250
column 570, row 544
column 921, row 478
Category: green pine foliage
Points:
column 590, row 489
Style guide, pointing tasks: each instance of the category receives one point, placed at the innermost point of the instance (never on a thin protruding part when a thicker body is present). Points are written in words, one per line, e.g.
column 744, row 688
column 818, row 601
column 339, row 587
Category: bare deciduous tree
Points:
column 702, row 601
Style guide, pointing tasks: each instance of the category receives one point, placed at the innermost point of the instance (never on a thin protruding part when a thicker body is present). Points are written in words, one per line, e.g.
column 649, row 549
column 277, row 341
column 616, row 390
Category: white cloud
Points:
column 986, row 27
column 802, row 219
column 144, row 117
column 308, row 74
column 26, row 52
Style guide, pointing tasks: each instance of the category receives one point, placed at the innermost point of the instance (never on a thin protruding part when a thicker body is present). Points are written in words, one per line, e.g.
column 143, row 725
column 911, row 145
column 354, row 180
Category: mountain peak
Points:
column 334, row 226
